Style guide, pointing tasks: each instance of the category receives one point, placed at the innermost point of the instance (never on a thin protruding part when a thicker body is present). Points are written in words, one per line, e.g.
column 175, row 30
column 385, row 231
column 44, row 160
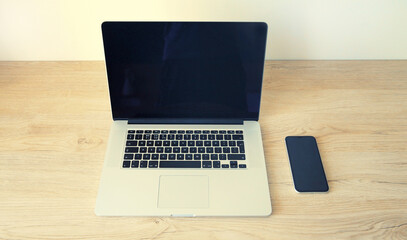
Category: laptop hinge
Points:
column 184, row 121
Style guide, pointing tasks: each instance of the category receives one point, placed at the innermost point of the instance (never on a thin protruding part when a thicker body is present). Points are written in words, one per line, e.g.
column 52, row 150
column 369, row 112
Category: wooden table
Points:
column 54, row 124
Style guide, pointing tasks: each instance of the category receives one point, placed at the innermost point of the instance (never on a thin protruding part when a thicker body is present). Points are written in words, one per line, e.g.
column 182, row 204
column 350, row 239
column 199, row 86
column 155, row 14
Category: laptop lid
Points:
column 185, row 71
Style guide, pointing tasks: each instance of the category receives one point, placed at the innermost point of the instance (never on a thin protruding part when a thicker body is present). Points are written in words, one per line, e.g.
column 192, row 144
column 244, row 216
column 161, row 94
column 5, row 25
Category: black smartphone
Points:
column 306, row 165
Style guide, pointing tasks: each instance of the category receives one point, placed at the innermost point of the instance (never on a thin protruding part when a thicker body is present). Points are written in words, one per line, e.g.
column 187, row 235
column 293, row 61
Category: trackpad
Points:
column 183, row 192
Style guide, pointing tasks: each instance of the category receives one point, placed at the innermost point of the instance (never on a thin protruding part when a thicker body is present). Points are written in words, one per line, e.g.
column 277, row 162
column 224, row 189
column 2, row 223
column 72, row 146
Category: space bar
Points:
column 179, row 164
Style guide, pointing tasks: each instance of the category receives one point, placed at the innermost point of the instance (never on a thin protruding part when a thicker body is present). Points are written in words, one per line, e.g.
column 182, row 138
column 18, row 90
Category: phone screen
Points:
column 306, row 165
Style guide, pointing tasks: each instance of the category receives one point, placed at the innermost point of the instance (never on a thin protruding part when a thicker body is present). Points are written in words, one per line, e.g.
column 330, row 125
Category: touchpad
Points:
column 183, row 192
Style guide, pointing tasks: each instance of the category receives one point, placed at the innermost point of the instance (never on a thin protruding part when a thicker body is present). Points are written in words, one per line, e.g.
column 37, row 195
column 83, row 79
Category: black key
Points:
column 150, row 143
column 233, row 164
column 158, row 143
column 218, row 150
column 178, row 137
column 222, row 132
column 225, row 165
column 131, row 131
column 163, row 137
column 156, row 131
column 216, row 164
column 211, row 137
column 171, row 156
column 154, row 156
column 139, row 131
column 143, row 149
column 131, row 150
column 141, row 143
column 180, row 164
column 174, row 143
column 128, row 156
column 214, row 156
column 239, row 132
column 231, row 132
column 206, row 164
column 153, row 164
column 192, row 150
column 228, row 137
column 209, row 150
column 197, row 156
column 159, row 150
column 203, row 137
column 130, row 136
column 232, row 143
column 176, row 150
column 236, row 157
column 235, row 150
column 237, row 137
column 201, row 150
column 180, row 156
column 242, row 165
column 151, row 150
column 205, row 156
column 199, row 143
column 166, row 143
column 207, row 143
column 197, row 131
column 184, row 150
column 189, row 131
column 168, row 150
column 146, row 156
column 138, row 156
column 222, row 156
column 188, row 156
column 191, row 143
column 181, row 131
column 219, row 137
column 134, row 164
column 215, row 143
column 173, row 131
column 240, row 143
column 164, row 131
column 131, row 143
column 187, row 137
column 205, row 131
column 224, row 143
column 226, row 150
column 143, row 164
column 126, row 164
column 182, row 143
column 147, row 137
column 214, row 132
column 139, row 136
column 241, row 149
column 155, row 137
column 171, row 137
column 163, row 156
column 147, row 131
column 195, row 137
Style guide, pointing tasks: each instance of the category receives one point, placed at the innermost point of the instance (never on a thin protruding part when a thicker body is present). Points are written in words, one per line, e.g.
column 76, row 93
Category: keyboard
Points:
column 185, row 149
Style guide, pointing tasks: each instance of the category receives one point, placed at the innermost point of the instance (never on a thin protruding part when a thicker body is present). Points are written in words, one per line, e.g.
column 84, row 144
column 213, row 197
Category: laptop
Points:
column 185, row 139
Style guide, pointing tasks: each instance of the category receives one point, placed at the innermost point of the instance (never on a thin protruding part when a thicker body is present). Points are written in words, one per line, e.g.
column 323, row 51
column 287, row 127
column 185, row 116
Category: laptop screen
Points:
column 185, row 70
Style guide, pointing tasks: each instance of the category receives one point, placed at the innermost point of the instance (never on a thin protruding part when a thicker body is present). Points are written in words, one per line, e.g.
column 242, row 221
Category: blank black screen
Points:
column 306, row 165
column 186, row 70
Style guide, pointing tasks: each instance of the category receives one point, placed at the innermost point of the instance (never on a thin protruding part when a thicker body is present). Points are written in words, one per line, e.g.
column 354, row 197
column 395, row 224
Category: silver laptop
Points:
column 185, row 138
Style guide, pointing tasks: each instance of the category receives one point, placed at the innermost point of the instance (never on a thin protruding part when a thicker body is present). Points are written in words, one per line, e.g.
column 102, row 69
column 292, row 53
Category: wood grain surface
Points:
column 54, row 124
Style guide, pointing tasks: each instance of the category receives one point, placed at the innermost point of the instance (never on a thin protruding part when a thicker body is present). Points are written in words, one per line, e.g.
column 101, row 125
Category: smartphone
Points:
column 306, row 165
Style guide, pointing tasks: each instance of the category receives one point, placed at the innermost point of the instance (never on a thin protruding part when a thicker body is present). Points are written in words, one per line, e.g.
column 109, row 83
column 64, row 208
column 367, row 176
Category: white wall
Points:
column 298, row 29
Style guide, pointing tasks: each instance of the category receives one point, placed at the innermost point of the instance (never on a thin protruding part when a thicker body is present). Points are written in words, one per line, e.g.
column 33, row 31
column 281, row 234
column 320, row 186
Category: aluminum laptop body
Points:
column 185, row 138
